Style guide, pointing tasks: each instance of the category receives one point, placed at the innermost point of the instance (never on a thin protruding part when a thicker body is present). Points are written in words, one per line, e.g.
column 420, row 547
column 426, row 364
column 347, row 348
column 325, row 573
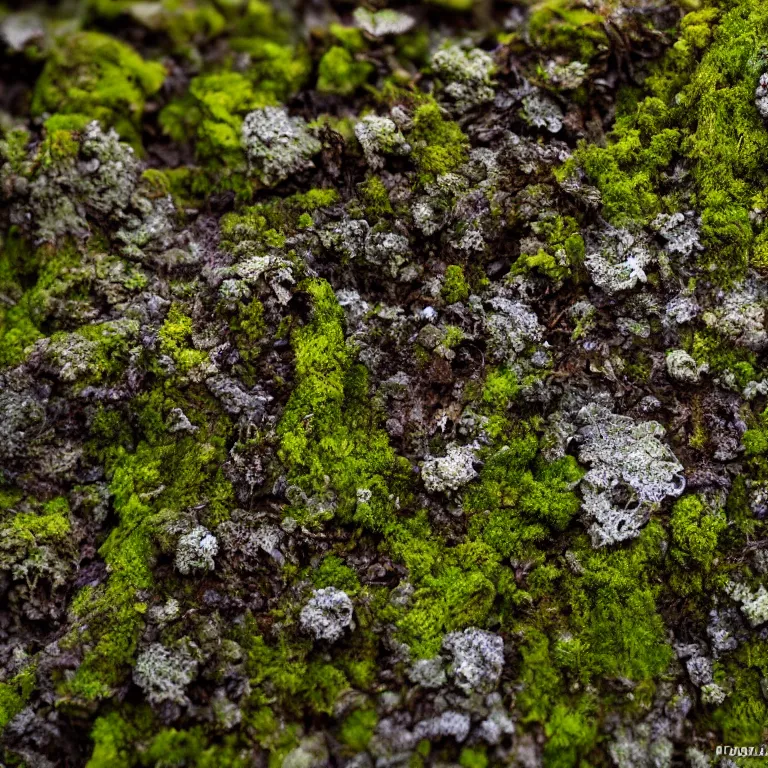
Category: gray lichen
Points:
column 277, row 144
column 327, row 614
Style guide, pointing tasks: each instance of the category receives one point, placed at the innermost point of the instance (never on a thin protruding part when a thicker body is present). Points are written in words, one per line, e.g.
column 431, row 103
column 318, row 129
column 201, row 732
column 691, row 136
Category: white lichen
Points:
column 631, row 472
column 163, row 674
column 450, row 472
column 380, row 136
column 196, row 550
column 327, row 614
column 476, row 659
column 278, row 145
column 466, row 73
column 682, row 367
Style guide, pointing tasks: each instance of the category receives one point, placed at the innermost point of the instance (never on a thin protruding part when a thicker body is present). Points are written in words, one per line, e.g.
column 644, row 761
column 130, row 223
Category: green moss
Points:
column 473, row 757
column 695, row 533
column 248, row 331
column 439, row 145
column 700, row 105
column 162, row 477
column 101, row 78
column 339, row 72
column 517, row 501
column 105, row 355
column 15, row 693
column 210, row 115
column 35, row 279
column 571, row 734
column 455, row 287
column 722, row 356
column 330, row 439
column 288, row 673
column 350, row 37
column 614, row 609
column 460, row 6
column 52, row 524
column 115, row 740
column 357, row 729
column 743, row 716
column 568, row 27
column 175, row 339
column 332, row 572
column 375, row 198
column 564, row 256
column 695, row 530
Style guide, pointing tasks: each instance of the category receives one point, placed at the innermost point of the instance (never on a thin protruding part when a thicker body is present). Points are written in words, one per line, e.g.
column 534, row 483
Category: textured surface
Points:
column 383, row 386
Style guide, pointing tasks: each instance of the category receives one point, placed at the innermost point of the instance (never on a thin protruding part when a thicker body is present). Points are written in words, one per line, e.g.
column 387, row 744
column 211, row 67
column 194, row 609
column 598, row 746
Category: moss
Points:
column 51, row 524
column 695, row 532
column 339, row 72
column 248, row 332
column 568, row 27
column 564, row 256
column 459, row 6
column 515, row 508
column 115, row 739
column 743, row 716
column 332, row 572
column 287, row 672
column 15, row 693
column 473, row 757
column 330, row 440
column 105, row 357
column 455, row 287
column 175, row 338
column 375, row 198
column 181, row 22
column 699, row 105
column 357, row 730
column 210, row 115
column 571, row 734
column 350, row 37
column 36, row 279
column 162, row 477
column 722, row 356
column 101, row 78
column 614, row 609
column 439, row 145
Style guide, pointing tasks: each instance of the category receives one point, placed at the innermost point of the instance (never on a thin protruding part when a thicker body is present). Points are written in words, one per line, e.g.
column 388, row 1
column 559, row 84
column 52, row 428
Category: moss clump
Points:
column 695, row 532
column 339, row 72
column 568, row 27
column 36, row 280
column 14, row 694
column 455, row 287
column 210, row 115
column 518, row 501
column 439, row 145
column 563, row 257
column 333, row 572
column 700, row 106
column 98, row 77
column 614, row 610
column 330, row 440
column 163, row 476
column 357, row 729
column 723, row 357
column 175, row 338
column 292, row 675
column 375, row 198
column 52, row 524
